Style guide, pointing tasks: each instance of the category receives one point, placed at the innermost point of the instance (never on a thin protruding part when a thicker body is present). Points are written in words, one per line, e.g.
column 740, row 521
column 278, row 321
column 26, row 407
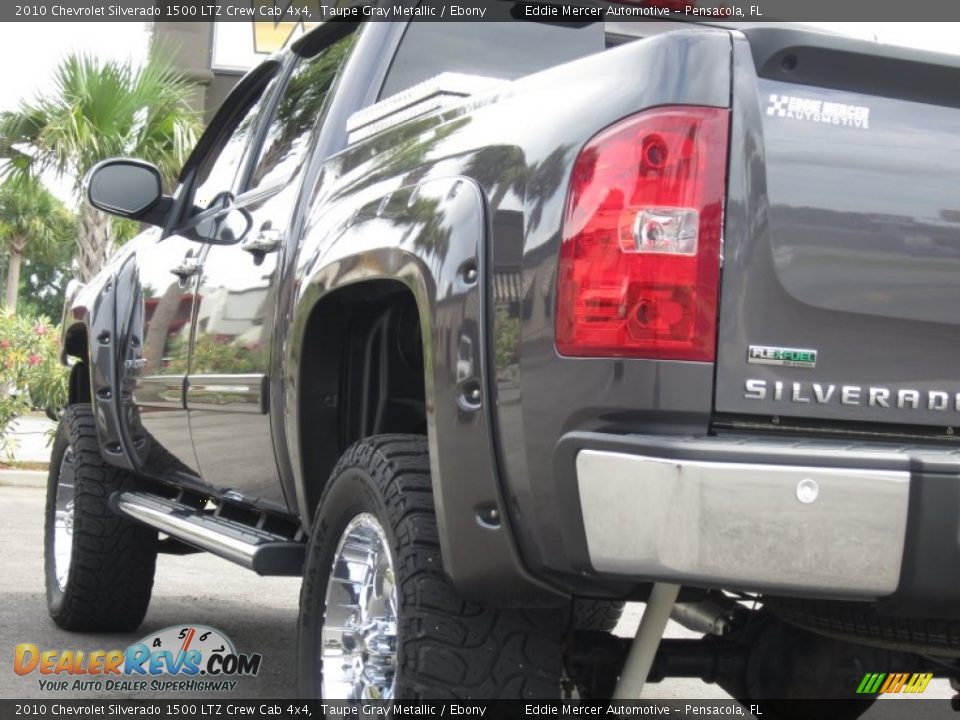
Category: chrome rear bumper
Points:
column 784, row 528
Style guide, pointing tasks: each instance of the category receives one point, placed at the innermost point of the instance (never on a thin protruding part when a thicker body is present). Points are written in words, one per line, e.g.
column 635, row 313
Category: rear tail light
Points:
column 640, row 260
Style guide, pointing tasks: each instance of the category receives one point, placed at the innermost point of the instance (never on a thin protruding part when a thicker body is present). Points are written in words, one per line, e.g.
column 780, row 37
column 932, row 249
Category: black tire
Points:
column 596, row 615
column 446, row 647
column 112, row 559
column 860, row 623
column 793, row 674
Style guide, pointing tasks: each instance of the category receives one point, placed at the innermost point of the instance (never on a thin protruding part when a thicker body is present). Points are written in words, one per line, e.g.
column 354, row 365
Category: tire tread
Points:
column 860, row 622
column 114, row 559
column 450, row 648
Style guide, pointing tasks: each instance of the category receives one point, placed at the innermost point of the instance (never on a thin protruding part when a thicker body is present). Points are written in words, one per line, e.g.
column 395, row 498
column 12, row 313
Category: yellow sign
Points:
column 241, row 46
column 272, row 35
column 268, row 37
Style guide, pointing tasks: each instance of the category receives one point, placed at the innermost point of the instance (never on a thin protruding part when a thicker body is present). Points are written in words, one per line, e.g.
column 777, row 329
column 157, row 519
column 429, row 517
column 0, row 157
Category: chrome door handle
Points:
column 187, row 268
column 265, row 241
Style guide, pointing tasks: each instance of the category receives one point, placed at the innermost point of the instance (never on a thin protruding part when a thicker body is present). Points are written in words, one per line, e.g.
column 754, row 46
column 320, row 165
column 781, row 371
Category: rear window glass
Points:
column 505, row 50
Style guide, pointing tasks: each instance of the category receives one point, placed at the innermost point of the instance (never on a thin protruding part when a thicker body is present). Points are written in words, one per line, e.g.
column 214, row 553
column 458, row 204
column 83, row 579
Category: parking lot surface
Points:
column 258, row 614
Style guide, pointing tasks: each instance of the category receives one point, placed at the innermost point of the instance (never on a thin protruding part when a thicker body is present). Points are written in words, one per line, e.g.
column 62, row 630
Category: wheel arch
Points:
column 424, row 243
column 361, row 365
column 76, row 344
column 91, row 334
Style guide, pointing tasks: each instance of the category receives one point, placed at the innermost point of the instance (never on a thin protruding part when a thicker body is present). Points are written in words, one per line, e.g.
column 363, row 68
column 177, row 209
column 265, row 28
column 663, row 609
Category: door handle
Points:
column 187, row 268
column 267, row 240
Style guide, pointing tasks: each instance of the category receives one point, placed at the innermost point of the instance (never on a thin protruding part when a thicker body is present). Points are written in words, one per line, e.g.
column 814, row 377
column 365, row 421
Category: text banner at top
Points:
column 307, row 12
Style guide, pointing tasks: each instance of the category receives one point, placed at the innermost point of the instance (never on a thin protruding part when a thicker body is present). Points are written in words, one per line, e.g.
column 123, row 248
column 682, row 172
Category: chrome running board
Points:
column 254, row 548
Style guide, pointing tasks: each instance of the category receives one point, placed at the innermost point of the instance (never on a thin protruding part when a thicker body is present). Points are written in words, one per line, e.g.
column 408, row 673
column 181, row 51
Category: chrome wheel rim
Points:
column 359, row 643
column 63, row 519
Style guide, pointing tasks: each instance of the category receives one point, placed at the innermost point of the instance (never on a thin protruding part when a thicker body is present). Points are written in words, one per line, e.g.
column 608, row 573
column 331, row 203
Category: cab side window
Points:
column 219, row 170
column 300, row 106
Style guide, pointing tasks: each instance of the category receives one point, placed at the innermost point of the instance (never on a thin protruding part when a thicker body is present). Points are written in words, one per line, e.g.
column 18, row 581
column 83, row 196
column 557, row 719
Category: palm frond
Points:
column 30, row 215
column 104, row 108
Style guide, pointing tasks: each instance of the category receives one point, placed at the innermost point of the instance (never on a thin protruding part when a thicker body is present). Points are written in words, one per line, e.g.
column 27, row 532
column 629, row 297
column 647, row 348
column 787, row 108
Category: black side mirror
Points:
column 127, row 188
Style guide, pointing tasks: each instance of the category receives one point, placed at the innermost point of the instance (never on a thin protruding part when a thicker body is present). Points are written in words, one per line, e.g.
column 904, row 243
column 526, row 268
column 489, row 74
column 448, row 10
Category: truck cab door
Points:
column 164, row 276
column 228, row 383
column 161, row 279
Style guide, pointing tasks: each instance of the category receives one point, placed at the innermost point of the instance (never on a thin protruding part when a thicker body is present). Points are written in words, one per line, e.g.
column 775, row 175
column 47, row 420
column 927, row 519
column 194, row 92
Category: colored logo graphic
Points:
column 187, row 651
column 888, row 683
column 788, row 357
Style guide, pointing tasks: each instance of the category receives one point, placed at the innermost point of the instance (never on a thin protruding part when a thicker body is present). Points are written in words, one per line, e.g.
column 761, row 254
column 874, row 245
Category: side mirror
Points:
column 127, row 188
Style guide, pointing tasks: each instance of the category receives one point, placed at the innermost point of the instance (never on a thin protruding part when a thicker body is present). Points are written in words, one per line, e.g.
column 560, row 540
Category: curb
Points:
column 23, row 478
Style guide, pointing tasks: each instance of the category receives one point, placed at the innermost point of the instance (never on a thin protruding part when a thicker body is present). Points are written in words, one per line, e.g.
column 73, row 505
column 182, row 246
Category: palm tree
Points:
column 100, row 109
column 31, row 220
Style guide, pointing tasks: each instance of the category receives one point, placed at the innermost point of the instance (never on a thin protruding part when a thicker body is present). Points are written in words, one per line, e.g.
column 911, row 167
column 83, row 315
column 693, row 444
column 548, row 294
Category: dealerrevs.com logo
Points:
column 190, row 658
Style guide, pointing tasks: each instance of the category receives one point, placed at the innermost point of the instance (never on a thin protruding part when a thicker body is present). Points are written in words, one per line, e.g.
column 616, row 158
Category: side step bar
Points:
column 259, row 550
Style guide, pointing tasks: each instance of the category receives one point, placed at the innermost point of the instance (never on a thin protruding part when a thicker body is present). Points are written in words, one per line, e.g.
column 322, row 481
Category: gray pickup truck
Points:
column 488, row 328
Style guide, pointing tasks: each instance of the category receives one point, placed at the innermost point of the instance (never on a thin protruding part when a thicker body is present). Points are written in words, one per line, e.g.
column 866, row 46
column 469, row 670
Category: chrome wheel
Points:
column 63, row 519
column 359, row 651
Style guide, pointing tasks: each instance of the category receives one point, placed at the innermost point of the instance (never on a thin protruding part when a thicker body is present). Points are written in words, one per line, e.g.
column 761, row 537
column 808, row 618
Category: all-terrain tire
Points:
column 596, row 615
column 859, row 622
column 446, row 647
column 111, row 559
column 794, row 674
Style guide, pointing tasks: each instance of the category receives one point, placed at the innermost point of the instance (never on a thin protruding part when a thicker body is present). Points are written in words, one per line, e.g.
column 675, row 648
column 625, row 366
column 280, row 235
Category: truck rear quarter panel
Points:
column 516, row 146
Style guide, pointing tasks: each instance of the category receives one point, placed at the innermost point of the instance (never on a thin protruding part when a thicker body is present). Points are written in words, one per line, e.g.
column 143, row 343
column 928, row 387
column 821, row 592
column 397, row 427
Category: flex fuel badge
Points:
column 182, row 658
column 787, row 357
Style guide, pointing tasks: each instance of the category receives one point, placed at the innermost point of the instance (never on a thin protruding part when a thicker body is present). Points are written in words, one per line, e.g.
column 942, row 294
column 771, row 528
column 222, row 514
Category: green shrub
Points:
column 31, row 375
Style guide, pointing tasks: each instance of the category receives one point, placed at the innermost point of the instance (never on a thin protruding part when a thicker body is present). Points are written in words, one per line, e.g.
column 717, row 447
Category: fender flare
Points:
column 431, row 237
column 93, row 311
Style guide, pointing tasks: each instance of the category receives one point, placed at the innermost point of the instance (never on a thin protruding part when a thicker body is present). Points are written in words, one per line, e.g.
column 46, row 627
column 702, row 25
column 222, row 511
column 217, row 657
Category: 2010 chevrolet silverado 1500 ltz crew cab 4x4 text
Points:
column 487, row 328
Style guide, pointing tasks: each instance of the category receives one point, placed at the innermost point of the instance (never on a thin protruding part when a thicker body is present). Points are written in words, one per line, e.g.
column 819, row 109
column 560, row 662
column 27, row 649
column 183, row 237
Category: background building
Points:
column 216, row 55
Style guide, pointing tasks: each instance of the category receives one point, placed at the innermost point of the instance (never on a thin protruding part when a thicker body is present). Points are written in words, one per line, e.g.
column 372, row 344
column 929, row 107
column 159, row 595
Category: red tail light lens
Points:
column 640, row 260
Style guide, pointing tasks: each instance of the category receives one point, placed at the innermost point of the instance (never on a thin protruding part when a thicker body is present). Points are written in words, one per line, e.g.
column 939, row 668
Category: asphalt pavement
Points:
column 258, row 614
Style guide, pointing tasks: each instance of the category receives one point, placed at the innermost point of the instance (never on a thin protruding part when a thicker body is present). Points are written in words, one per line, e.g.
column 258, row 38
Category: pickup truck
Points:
column 485, row 329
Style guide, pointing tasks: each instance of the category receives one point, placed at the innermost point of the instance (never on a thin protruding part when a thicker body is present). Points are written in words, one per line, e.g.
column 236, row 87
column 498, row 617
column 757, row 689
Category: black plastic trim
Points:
column 105, row 378
column 219, row 128
column 930, row 576
column 843, row 63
